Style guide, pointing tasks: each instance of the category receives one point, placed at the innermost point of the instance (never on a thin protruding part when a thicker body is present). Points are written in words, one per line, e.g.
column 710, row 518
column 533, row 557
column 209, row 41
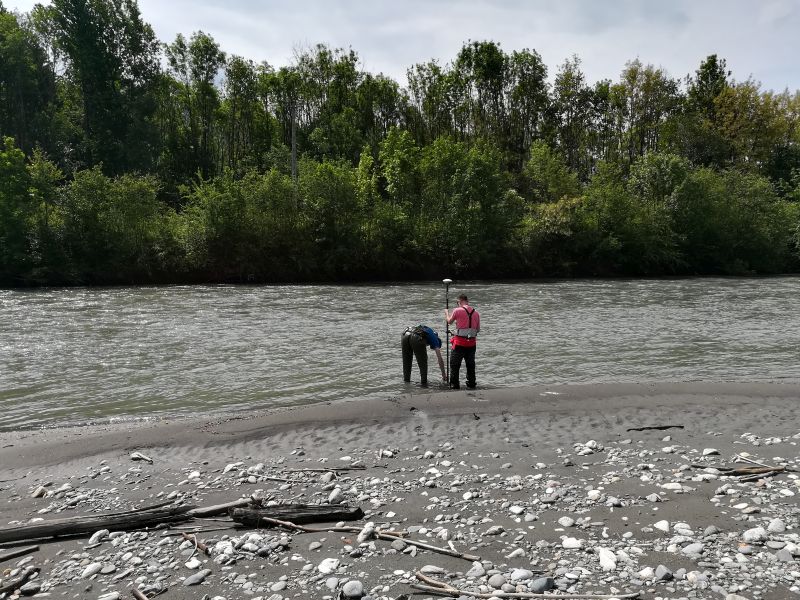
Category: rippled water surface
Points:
column 79, row 355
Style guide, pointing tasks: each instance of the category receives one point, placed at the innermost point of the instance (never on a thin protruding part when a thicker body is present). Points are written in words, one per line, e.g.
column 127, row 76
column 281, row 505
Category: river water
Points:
column 71, row 356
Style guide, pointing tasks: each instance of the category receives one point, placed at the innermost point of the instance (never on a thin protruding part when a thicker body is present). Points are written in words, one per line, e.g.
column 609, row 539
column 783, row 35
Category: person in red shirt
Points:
column 468, row 324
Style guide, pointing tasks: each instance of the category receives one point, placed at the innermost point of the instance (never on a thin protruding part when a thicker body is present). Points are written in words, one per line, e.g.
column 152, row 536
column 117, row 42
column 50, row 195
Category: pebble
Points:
column 328, row 566
column 521, row 574
column 572, row 543
column 541, row 585
column 497, row 580
column 92, row 569
column 663, row 573
column 755, row 535
column 30, row 588
column 197, row 578
column 353, row 589
column 608, row 560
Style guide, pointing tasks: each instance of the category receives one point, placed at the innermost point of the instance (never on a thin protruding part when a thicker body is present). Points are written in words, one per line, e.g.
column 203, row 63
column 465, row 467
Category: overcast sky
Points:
column 757, row 37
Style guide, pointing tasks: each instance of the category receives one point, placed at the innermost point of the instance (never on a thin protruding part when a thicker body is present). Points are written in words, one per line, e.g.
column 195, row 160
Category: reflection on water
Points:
column 77, row 355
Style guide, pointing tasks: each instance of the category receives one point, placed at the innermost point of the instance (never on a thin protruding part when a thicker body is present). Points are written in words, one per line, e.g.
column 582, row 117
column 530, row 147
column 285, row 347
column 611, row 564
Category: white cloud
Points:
column 756, row 38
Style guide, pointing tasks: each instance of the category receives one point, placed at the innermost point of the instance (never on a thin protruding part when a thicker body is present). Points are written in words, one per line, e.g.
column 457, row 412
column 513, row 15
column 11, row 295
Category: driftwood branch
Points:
column 654, row 428
column 297, row 513
column 378, row 534
column 18, row 583
column 197, row 545
column 218, row 509
column 331, row 469
column 89, row 524
column 434, row 586
column 138, row 595
column 17, row 553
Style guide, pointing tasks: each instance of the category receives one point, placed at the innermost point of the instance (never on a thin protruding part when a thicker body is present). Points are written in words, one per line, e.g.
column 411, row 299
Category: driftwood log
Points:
column 297, row 513
column 18, row 583
column 133, row 519
column 11, row 554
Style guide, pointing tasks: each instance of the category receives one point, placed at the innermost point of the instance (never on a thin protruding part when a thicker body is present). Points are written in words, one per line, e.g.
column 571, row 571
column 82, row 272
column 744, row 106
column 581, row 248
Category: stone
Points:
column 566, row 521
column 541, row 585
column 192, row 563
column 497, row 580
column 477, row 570
column 710, row 452
column 336, row 496
column 646, row 573
column 328, row 566
column 608, row 560
column 776, row 526
column 784, row 555
column 693, row 549
column 663, row 573
column 92, row 569
column 98, row 535
column 353, row 589
column 662, row 526
column 197, row 578
column 755, row 535
column 31, row 588
column 572, row 543
column 521, row 574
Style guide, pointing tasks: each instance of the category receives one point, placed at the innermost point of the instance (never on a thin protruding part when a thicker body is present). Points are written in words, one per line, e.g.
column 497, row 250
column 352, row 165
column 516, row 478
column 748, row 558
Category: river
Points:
column 78, row 355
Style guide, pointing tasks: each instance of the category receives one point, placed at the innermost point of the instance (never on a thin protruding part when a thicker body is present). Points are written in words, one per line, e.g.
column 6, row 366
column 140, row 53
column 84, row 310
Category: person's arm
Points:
column 441, row 363
column 449, row 317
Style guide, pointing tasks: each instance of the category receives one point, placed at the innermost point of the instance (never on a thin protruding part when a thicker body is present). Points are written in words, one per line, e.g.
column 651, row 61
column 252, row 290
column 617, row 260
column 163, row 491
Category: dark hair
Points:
column 464, row 298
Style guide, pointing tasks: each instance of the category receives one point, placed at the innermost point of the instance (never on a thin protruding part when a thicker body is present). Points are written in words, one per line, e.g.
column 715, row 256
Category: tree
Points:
column 27, row 85
column 16, row 215
column 195, row 66
column 113, row 56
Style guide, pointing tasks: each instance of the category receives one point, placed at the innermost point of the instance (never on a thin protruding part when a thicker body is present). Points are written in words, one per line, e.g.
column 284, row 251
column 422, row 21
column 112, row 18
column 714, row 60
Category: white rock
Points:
column 192, row 563
column 662, row 526
column 98, row 535
column 572, row 543
column 566, row 521
column 710, row 452
column 672, row 486
column 608, row 560
column 646, row 573
column 91, row 569
column 328, row 566
column 336, row 496
column 755, row 535
column 776, row 526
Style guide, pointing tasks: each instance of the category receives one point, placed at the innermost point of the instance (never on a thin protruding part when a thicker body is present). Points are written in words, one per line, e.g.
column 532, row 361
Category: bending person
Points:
column 414, row 342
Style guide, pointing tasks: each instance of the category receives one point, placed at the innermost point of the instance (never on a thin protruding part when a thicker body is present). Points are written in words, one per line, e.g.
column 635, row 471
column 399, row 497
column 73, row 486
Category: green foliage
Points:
column 548, row 177
column 116, row 170
column 731, row 222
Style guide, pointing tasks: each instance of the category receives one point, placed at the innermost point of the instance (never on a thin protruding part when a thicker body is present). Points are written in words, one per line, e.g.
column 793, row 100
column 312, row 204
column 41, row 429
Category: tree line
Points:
column 126, row 160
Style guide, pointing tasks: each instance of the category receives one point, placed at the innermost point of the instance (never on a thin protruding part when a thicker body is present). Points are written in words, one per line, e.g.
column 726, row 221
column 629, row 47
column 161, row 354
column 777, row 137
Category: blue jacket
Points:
column 431, row 337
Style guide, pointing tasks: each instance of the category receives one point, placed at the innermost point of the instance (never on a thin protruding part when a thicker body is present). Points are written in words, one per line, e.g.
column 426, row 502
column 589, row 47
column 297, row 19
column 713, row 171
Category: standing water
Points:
column 72, row 356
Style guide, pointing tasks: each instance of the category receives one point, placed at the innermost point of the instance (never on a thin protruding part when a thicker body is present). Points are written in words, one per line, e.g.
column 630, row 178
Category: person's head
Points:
column 462, row 299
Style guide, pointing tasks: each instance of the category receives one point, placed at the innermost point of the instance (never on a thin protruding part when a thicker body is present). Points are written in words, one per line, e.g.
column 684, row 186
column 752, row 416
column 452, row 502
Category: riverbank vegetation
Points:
column 125, row 160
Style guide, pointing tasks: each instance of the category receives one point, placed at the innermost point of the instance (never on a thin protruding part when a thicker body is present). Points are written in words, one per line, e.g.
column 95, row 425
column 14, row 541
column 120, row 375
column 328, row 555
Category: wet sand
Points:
column 503, row 433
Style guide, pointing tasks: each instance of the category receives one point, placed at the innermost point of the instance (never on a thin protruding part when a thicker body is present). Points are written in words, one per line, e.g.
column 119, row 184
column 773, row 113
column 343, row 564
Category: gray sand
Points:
column 462, row 462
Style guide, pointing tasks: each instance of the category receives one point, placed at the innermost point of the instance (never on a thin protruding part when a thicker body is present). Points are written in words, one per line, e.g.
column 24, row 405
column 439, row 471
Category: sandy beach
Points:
column 562, row 490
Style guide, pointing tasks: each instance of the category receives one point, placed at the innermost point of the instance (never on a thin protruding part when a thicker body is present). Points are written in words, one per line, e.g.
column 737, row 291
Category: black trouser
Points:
column 468, row 354
column 414, row 345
